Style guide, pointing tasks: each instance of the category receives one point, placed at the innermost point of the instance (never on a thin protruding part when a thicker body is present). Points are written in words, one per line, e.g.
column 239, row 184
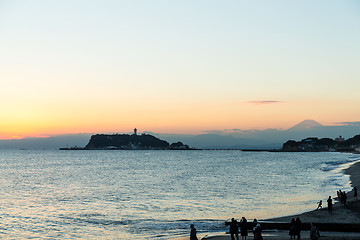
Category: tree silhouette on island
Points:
column 313, row 144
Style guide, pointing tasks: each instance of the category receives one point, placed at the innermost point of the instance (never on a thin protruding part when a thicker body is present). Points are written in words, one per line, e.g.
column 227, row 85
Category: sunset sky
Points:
column 176, row 66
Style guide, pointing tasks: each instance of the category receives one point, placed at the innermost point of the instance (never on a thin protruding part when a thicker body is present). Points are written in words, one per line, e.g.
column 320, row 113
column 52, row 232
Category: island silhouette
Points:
column 129, row 142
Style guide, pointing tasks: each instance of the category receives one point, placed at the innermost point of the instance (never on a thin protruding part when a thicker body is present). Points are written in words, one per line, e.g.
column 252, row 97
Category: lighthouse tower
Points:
column 135, row 131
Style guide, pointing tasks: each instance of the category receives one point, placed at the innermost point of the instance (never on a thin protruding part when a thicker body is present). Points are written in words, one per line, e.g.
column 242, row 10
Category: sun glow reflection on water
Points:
column 155, row 194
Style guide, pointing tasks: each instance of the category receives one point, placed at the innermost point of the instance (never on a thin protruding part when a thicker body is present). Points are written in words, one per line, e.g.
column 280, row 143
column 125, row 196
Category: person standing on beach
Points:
column 355, row 193
column 257, row 232
column 254, row 225
column 298, row 228
column 314, row 232
column 234, row 230
column 243, row 228
column 193, row 232
column 292, row 231
column 344, row 198
column 340, row 196
column 329, row 202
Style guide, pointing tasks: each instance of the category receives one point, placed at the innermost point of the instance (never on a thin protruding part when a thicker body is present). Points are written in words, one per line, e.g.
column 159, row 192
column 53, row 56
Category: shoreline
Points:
column 341, row 214
column 349, row 214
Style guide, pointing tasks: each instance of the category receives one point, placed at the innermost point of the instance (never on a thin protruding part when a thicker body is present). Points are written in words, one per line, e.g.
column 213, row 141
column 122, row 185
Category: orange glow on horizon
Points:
column 16, row 137
column 195, row 118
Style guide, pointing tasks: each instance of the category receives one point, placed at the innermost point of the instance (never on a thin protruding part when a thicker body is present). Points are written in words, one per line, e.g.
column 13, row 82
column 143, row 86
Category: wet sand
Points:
column 341, row 214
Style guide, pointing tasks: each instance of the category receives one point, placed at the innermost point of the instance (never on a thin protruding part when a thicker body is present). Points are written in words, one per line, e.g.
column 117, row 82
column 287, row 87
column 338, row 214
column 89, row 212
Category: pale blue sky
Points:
column 177, row 54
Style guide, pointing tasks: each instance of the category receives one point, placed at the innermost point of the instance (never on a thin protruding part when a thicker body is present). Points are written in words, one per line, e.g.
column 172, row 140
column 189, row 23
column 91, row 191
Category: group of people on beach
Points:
column 295, row 228
column 295, row 224
column 342, row 196
column 234, row 230
column 243, row 225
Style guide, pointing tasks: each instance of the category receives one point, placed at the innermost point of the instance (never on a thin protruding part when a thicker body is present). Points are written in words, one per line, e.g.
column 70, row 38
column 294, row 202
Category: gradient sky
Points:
column 176, row 66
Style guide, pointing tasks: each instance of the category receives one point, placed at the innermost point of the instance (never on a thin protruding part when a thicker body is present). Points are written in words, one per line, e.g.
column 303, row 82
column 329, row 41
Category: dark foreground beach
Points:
column 341, row 215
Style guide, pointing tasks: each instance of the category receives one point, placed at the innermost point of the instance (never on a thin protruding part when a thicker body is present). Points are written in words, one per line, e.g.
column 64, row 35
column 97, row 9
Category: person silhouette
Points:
column 257, row 231
column 254, row 225
column 319, row 205
column 193, row 232
column 292, row 231
column 355, row 193
column 298, row 227
column 234, row 230
column 329, row 202
column 340, row 196
column 243, row 228
column 314, row 232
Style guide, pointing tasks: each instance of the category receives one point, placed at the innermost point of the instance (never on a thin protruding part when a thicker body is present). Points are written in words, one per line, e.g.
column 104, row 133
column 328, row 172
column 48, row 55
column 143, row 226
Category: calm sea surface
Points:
column 156, row 194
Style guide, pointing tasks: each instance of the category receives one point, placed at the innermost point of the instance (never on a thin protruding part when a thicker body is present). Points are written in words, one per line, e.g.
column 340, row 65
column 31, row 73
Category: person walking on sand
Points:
column 298, row 228
column 243, row 228
column 234, row 230
column 355, row 193
column 193, row 232
column 314, row 232
column 329, row 203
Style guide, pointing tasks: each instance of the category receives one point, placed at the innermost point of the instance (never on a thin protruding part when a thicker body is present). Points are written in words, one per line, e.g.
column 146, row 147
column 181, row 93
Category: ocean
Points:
column 52, row 194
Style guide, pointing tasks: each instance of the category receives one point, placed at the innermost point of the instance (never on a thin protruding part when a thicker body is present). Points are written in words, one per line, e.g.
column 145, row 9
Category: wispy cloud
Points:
column 263, row 102
column 235, row 130
column 214, row 132
column 350, row 123
column 225, row 131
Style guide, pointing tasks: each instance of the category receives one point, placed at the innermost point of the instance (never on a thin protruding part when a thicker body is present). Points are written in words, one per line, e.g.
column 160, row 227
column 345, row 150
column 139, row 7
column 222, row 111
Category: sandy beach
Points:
column 348, row 214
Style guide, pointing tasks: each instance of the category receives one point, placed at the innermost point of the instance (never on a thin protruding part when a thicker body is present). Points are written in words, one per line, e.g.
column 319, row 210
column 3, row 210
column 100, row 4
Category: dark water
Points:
column 156, row 194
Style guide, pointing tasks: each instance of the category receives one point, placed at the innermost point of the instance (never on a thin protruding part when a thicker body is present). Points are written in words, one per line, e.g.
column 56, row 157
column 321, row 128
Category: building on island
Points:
column 135, row 131
column 340, row 139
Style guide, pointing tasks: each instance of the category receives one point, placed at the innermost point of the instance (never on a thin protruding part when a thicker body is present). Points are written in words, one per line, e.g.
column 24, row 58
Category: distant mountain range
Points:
column 53, row 142
column 227, row 139
column 266, row 139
